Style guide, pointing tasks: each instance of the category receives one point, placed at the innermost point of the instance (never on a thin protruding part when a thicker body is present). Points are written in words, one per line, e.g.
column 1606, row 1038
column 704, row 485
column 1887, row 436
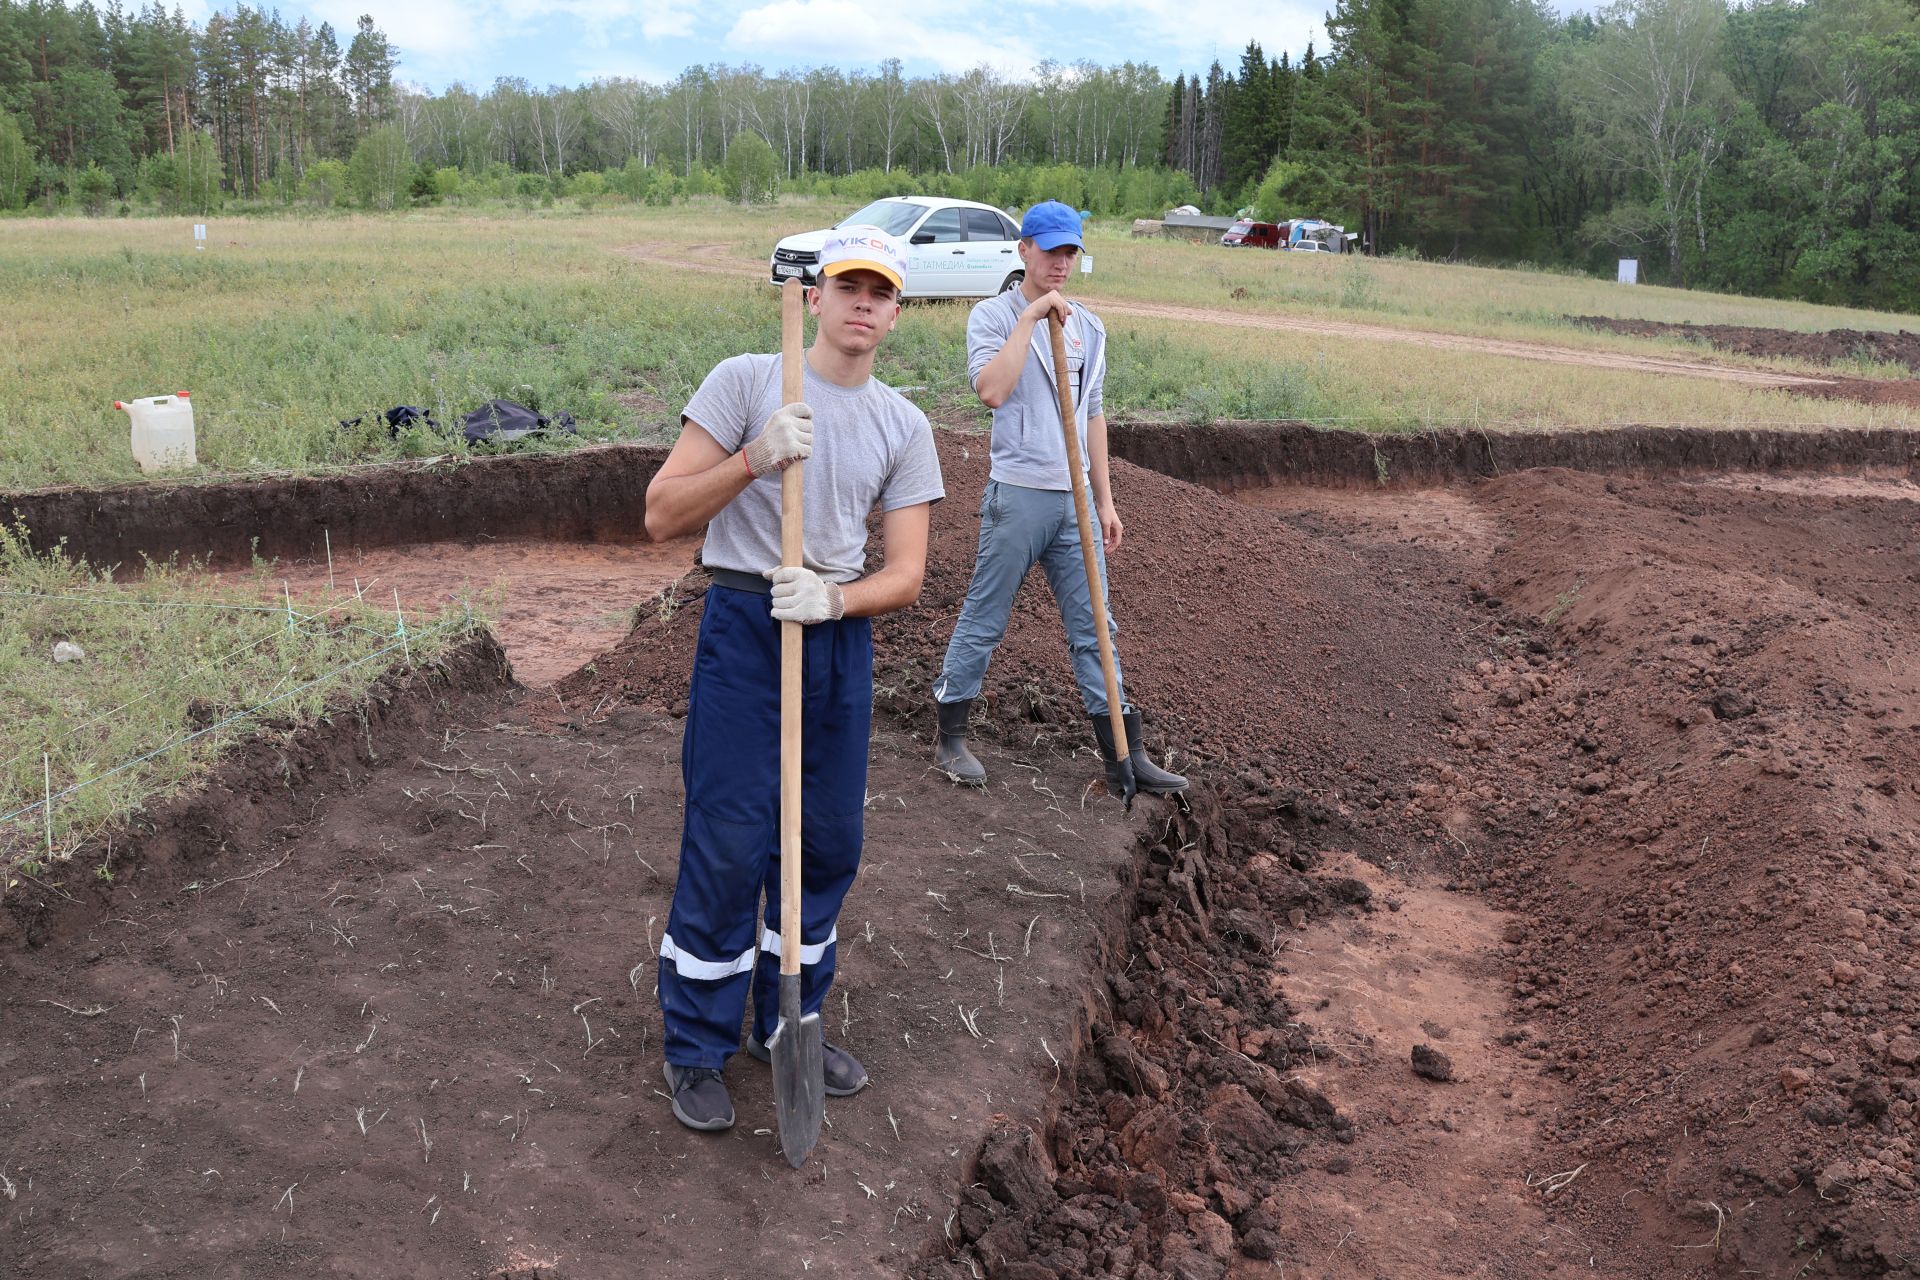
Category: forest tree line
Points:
column 1769, row 147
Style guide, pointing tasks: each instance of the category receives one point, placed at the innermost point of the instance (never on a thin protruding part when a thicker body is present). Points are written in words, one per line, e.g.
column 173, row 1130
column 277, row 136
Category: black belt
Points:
column 738, row 581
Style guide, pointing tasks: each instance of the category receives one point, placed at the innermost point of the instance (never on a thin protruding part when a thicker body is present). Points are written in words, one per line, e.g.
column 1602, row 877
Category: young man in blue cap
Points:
column 1027, row 513
column 869, row 448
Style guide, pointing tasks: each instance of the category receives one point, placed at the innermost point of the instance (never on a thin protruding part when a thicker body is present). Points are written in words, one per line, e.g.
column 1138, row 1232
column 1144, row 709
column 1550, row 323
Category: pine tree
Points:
column 1249, row 133
column 16, row 164
column 1283, row 86
column 1207, row 171
column 329, row 112
column 369, row 75
column 1176, row 119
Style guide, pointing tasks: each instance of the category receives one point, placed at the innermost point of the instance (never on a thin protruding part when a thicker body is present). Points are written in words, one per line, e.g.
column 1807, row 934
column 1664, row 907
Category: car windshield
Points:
column 891, row 216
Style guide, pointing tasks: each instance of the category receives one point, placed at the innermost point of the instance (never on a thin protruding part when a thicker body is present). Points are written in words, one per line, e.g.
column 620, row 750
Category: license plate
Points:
column 783, row 269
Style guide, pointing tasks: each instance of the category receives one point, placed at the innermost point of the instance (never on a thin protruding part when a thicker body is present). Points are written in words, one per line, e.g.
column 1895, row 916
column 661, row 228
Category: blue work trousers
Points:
column 1019, row 527
column 715, row 945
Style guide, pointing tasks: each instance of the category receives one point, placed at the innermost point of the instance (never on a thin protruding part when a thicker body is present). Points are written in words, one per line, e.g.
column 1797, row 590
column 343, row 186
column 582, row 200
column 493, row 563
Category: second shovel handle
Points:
column 1096, row 592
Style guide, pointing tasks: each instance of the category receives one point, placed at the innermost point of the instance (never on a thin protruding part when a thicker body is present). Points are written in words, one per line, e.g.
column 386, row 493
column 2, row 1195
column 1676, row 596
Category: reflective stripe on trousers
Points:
column 717, row 948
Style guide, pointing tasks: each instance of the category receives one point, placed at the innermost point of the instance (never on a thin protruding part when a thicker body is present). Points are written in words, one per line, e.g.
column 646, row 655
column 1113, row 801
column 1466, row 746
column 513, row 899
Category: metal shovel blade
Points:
column 799, row 1074
column 1128, row 787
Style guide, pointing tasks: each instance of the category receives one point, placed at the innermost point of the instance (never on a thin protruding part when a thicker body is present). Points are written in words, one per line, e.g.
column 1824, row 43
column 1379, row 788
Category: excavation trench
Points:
column 1462, row 744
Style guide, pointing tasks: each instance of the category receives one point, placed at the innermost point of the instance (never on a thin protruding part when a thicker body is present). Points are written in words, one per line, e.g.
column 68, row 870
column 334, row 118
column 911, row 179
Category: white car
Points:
column 955, row 248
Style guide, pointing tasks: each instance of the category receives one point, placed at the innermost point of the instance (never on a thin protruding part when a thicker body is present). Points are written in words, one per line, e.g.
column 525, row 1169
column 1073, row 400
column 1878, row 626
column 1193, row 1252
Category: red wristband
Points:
column 747, row 465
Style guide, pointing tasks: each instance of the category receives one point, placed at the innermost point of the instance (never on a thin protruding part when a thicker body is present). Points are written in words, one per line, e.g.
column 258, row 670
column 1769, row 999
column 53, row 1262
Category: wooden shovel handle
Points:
column 793, row 518
column 1077, row 478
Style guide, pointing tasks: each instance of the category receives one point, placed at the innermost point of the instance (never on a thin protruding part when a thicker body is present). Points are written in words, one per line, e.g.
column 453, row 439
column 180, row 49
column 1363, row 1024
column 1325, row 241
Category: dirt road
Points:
column 706, row 258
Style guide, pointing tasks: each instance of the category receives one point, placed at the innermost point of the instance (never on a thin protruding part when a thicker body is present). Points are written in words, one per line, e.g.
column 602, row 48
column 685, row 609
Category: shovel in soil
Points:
column 1077, row 477
column 797, row 1047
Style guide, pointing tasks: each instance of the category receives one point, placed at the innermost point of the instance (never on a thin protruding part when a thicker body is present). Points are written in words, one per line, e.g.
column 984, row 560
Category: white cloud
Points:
column 849, row 33
column 624, row 69
column 610, row 21
column 445, row 38
column 437, row 33
column 1180, row 35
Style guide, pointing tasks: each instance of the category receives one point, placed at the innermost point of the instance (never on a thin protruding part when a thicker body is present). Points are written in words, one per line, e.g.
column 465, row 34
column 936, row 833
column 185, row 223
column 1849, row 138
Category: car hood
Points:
column 810, row 240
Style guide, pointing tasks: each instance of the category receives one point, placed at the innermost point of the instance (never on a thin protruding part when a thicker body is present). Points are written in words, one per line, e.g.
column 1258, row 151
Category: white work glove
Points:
column 801, row 595
column 785, row 440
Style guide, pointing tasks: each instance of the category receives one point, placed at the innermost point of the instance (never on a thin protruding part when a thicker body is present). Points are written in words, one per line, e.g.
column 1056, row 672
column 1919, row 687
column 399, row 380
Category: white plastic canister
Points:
column 162, row 431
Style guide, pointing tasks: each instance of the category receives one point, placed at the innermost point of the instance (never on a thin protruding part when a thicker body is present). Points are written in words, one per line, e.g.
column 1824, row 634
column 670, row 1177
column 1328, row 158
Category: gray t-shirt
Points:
column 1029, row 448
column 871, row 447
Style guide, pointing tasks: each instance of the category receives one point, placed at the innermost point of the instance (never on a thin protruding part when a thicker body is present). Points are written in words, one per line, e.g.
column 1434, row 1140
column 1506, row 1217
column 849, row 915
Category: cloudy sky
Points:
column 573, row 41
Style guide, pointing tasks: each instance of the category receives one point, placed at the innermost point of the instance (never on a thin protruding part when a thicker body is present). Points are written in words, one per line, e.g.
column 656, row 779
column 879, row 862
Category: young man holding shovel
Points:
column 1027, row 512
column 865, row 446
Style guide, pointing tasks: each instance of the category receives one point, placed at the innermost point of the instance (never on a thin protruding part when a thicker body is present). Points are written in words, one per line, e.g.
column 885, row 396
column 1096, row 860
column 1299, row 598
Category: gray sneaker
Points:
column 844, row 1074
column 700, row 1098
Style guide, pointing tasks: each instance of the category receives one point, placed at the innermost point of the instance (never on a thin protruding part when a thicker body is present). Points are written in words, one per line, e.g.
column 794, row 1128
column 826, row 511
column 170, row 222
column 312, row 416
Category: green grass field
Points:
column 177, row 667
column 281, row 328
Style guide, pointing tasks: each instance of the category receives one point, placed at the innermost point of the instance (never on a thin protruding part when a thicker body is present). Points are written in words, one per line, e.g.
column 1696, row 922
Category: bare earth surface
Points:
column 1900, row 347
column 422, row 1040
column 1545, row 904
column 553, row 605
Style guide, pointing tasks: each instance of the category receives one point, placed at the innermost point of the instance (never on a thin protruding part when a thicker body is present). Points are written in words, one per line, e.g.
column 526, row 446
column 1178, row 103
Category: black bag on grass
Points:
column 506, row 421
column 398, row 419
column 402, row 416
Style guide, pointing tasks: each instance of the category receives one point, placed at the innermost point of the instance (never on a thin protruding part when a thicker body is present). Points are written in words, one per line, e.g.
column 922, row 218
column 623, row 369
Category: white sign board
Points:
column 200, row 235
column 1629, row 271
column 1086, row 264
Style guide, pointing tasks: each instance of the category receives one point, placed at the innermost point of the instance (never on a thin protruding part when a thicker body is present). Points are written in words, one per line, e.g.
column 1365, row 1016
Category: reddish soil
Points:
column 1545, row 902
column 552, row 605
column 1829, row 347
column 1701, row 799
column 1690, row 1049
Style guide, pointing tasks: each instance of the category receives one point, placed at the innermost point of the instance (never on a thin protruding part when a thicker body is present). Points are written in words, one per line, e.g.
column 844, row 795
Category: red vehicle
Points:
column 1249, row 234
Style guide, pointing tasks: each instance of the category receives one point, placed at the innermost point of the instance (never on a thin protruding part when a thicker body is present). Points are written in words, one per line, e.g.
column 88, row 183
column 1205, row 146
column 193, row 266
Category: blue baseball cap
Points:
column 1051, row 224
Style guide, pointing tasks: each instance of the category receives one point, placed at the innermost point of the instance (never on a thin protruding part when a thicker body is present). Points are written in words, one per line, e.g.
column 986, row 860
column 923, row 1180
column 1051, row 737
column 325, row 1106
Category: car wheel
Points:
column 1012, row 281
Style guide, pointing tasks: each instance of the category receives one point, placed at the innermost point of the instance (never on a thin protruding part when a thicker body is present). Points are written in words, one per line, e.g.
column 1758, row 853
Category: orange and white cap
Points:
column 864, row 249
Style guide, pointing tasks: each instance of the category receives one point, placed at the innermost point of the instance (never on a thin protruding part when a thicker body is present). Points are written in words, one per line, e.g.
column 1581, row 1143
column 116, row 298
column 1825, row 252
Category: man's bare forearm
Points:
column 904, row 533
column 893, row 587
column 678, row 505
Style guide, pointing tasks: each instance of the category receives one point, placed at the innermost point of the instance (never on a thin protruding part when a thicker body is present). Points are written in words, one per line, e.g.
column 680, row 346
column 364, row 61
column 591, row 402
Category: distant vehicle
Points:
column 1312, row 235
column 955, row 248
column 1248, row 234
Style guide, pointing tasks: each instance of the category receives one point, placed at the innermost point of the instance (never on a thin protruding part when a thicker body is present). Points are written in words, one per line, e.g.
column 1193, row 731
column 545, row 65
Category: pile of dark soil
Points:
column 1251, row 648
column 1833, row 345
column 1701, row 799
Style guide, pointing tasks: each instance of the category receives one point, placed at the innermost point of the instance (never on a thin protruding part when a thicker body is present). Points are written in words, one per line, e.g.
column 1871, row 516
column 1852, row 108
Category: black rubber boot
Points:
column 950, row 754
column 1149, row 778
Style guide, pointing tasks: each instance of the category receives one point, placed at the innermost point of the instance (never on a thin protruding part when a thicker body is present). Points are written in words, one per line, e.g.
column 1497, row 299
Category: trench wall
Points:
column 598, row 494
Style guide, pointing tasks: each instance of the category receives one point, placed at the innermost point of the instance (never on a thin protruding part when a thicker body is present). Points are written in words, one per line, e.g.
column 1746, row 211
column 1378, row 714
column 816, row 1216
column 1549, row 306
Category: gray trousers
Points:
column 1018, row 527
